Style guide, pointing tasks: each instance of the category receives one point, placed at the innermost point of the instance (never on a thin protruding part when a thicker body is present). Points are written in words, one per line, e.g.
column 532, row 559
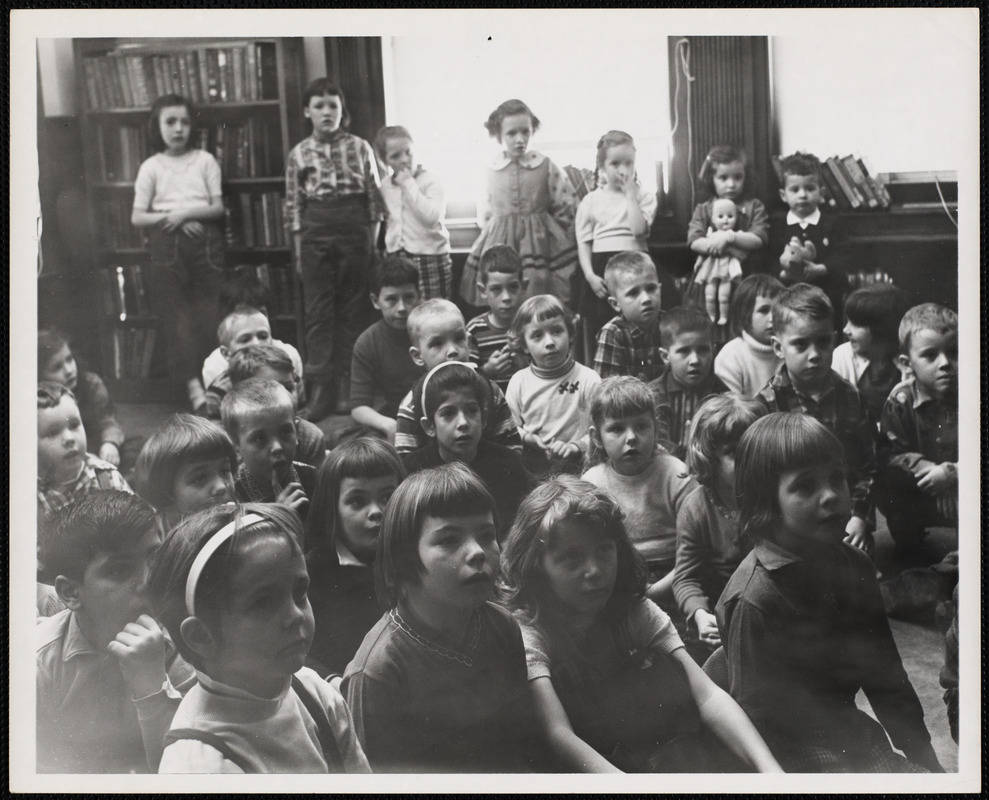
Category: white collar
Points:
column 530, row 160
column 345, row 557
column 803, row 222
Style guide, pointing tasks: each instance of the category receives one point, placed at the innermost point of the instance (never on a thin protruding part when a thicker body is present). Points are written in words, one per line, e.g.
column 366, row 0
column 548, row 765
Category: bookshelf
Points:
column 248, row 98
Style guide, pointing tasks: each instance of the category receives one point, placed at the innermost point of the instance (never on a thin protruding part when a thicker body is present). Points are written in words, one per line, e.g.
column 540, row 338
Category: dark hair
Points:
column 50, row 341
column 449, row 377
column 800, row 164
column 451, row 490
column 926, row 316
column 503, row 259
column 633, row 262
column 394, row 270
column 246, row 362
column 718, row 423
column 182, row 439
column 682, row 319
column 541, row 523
column 744, row 297
column 879, row 307
column 720, row 154
column 617, row 397
column 322, row 86
column 539, row 308
column 154, row 120
column 382, row 137
column 172, row 561
column 609, row 140
column 365, row 457
column 254, row 394
column 50, row 394
column 801, row 300
column 103, row 521
column 509, row 108
column 776, row 443
column 244, row 289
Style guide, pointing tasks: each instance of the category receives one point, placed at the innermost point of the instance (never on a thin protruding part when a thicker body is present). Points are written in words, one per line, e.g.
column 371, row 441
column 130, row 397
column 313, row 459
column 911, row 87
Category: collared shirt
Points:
column 318, row 170
column 624, row 349
column 844, row 413
column 96, row 474
column 803, row 222
column 87, row 720
column 517, row 193
column 915, row 425
column 676, row 405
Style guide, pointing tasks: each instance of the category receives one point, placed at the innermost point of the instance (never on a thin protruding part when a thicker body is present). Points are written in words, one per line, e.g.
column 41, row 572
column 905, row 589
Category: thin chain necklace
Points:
column 466, row 659
column 727, row 513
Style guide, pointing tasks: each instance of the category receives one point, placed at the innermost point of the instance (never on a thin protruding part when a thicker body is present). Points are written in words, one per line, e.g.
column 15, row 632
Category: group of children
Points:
column 656, row 561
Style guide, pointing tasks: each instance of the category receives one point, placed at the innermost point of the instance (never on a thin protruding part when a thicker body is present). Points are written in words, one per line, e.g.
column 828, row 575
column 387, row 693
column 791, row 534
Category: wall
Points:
column 891, row 93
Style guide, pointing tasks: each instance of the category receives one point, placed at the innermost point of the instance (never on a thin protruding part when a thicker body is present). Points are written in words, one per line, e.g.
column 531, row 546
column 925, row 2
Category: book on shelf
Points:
column 255, row 219
column 124, row 292
column 857, row 177
column 133, row 352
column 834, row 188
column 134, row 75
column 843, row 182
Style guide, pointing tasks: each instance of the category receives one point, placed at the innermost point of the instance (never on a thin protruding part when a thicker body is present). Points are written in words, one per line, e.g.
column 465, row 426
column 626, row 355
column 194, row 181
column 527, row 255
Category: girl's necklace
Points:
column 467, row 659
column 728, row 513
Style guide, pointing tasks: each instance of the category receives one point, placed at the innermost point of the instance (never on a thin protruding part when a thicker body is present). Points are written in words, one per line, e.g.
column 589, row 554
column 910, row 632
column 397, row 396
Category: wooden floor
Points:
column 921, row 645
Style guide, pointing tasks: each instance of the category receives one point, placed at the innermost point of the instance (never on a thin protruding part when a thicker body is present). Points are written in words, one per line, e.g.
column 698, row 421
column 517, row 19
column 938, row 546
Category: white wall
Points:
column 442, row 89
column 893, row 93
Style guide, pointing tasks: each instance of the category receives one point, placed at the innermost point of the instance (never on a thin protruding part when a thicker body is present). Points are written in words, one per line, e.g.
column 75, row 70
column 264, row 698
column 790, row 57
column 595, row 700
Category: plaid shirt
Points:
column 844, row 413
column 623, row 349
column 96, row 475
column 676, row 405
column 917, row 426
column 327, row 170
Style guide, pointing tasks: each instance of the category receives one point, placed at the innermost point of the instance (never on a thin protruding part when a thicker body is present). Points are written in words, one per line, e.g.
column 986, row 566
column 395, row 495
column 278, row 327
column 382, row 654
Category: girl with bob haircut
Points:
column 709, row 544
column 230, row 586
column 439, row 683
column 612, row 686
column 353, row 487
column 802, row 617
column 549, row 398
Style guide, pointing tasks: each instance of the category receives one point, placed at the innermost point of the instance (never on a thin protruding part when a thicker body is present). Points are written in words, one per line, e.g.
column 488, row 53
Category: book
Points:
column 851, row 167
column 878, row 188
column 149, row 350
column 267, row 71
column 840, row 200
column 846, row 188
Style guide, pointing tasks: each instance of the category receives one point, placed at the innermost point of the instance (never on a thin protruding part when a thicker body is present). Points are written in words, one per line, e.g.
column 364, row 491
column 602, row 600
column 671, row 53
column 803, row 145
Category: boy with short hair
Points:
column 807, row 244
column 382, row 372
column 108, row 680
column 500, row 286
column 185, row 466
column 65, row 469
column 259, row 417
column 629, row 343
column 438, row 333
column 803, row 337
column 918, row 484
column 268, row 362
column 686, row 337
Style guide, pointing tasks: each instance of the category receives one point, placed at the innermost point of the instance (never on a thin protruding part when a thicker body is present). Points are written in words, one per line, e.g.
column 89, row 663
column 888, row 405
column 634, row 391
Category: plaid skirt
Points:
column 435, row 274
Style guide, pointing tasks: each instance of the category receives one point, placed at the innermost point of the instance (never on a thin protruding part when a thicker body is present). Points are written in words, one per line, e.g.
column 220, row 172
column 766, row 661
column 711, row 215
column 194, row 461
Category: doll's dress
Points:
column 725, row 267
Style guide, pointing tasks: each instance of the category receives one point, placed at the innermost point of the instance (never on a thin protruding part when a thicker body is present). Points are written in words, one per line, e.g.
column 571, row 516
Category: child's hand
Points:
column 707, row 627
column 629, row 187
column 109, row 452
column 140, row 650
column 293, row 496
column 193, row 228
column 402, row 175
column 936, row 479
column 857, row 534
column 718, row 242
column 173, row 219
column 562, row 449
column 598, row 286
column 499, row 364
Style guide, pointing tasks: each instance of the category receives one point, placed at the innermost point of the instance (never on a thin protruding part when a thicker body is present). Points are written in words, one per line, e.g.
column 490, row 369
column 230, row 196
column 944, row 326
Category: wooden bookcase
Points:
column 248, row 99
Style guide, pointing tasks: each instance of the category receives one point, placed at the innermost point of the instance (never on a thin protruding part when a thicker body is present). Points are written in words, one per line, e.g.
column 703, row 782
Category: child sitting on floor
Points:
column 746, row 363
column 108, row 682
column 185, row 466
column 230, row 585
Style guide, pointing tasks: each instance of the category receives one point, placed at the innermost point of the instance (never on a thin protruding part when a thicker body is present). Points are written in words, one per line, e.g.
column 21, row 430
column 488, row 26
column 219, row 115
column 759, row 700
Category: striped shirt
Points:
column 624, row 349
column 486, row 340
column 676, row 404
column 318, row 170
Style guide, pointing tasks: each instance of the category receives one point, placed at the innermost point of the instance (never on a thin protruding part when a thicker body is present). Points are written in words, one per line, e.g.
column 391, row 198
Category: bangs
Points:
column 620, row 398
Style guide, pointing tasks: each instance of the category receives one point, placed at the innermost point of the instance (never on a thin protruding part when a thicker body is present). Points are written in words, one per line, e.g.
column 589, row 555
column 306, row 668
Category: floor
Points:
column 921, row 644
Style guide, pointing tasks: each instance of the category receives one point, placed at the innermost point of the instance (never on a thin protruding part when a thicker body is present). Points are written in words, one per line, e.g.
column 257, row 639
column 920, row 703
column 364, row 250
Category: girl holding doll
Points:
column 612, row 686
column 529, row 206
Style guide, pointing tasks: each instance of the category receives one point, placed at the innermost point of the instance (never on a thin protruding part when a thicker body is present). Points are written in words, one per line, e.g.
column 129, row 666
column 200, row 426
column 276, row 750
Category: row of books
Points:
column 120, row 150
column 133, row 350
column 124, row 292
column 847, row 184
column 133, row 76
column 115, row 229
column 255, row 219
column 278, row 280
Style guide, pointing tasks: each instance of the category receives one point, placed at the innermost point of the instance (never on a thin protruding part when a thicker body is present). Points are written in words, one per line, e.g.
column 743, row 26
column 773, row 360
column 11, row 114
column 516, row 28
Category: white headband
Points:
column 433, row 371
column 204, row 555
